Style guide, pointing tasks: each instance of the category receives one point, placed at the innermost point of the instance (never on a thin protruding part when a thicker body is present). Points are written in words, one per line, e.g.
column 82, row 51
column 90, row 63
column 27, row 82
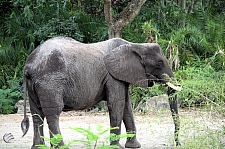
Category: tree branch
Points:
column 129, row 13
column 117, row 23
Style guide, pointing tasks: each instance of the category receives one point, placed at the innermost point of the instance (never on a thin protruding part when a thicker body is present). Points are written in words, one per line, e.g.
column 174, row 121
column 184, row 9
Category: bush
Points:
column 138, row 94
column 5, row 72
column 10, row 87
column 59, row 27
column 202, row 86
column 94, row 29
column 8, row 98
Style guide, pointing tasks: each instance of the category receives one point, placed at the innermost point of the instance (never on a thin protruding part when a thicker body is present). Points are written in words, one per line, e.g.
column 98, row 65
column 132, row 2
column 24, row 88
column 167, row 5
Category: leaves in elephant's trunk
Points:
column 25, row 125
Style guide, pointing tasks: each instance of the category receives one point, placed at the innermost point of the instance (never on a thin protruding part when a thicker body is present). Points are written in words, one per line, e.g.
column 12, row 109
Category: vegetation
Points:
column 202, row 129
column 93, row 140
column 201, row 86
column 191, row 34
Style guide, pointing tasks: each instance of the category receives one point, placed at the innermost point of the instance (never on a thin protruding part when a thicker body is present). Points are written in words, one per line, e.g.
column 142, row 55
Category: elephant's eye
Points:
column 159, row 63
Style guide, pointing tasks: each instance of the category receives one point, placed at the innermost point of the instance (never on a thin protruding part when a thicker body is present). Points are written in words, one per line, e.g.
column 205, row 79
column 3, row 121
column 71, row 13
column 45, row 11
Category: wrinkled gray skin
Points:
column 63, row 74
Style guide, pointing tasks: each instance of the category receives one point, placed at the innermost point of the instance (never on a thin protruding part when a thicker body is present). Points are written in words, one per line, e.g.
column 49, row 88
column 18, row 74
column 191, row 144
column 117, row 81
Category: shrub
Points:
column 201, row 86
column 94, row 29
column 8, row 98
column 138, row 94
column 59, row 27
column 5, row 72
column 11, row 87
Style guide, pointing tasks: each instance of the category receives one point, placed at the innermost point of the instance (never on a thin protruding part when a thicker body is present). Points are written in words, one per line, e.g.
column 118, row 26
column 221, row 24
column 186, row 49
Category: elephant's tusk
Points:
column 177, row 88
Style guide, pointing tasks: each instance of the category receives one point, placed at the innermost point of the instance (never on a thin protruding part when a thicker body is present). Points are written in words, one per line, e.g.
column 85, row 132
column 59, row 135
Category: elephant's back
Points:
column 46, row 58
column 52, row 52
column 79, row 67
column 66, row 55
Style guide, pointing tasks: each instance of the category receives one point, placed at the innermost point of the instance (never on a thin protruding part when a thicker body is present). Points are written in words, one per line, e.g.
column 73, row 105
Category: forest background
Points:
column 190, row 32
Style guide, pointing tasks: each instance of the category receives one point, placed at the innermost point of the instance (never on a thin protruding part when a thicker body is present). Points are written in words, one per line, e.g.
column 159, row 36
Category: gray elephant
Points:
column 63, row 74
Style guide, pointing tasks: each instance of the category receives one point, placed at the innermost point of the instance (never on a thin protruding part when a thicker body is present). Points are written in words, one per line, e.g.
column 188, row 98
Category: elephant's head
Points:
column 138, row 64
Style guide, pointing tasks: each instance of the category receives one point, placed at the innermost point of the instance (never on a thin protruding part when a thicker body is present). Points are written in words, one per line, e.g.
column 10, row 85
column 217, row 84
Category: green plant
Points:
column 138, row 94
column 150, row 31
column 55, row 140
column 94, row 29
column 11, row 88
column 93, row 139
column 59, row 27
column 192, row 44
column 5, row 71
column 8, row 98
column 202, row 86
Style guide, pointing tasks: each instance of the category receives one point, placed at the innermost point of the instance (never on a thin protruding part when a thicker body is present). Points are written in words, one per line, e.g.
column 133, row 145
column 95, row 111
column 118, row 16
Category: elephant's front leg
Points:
column 116, row 102
column 116, row 115
column 129, row 123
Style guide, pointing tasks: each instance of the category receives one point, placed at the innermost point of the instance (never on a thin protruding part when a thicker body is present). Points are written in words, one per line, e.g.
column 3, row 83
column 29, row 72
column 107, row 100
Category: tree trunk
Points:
column 183, row 4
column 163, row 3
column 117, row 23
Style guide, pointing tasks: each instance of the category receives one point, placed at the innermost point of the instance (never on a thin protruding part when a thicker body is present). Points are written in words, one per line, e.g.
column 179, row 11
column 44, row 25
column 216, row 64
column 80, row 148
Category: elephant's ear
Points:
column 124, row 63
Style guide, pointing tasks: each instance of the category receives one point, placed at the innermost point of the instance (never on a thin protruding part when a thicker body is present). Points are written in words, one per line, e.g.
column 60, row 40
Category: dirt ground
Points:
column 154, row 129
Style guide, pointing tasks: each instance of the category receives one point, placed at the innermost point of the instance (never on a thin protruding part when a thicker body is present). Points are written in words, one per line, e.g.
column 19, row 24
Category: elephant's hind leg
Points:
column 38, row 130
column 51, row 100
column 52, row 117
column 38, row 121
column 53, row 125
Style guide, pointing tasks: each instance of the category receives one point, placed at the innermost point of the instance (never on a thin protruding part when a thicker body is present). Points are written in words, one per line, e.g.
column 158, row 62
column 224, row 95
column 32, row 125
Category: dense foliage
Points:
column 194, row 33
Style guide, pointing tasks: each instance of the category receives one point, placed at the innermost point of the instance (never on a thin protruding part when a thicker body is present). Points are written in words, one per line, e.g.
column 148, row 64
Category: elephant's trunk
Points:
column 174, row 111
column 171, row 92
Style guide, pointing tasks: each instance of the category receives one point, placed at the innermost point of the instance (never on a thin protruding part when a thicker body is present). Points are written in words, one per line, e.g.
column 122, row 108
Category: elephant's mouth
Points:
column 163, row 81
column 154, row 79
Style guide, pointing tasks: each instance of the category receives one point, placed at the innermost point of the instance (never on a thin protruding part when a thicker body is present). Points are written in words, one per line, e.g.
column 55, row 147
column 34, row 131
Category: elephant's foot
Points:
column 132, row 143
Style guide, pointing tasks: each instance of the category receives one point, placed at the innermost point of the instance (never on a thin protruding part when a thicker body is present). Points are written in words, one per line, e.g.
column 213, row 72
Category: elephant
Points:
column 63, row 74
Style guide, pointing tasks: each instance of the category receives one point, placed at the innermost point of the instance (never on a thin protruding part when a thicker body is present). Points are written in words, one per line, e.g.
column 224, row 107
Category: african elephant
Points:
column 63, row 74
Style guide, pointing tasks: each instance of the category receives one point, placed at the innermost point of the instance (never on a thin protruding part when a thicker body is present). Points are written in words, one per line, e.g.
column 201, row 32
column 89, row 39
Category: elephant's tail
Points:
column 25, row 122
